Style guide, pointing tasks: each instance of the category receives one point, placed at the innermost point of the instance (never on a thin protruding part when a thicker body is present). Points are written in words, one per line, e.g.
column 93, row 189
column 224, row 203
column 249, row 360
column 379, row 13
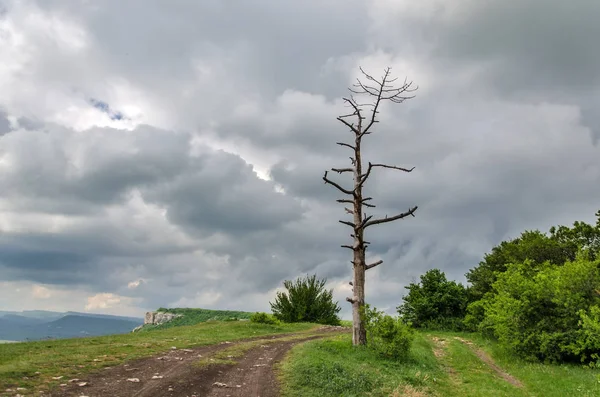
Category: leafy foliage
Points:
column 547, row 312
column 435, row 302
column 534, row 246
column 581, row 236
column 264, row 318
column 306, row 300
column 387, row 335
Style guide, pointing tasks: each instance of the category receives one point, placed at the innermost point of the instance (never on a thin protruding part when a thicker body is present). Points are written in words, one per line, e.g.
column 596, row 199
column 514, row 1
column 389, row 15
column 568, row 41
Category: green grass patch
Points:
column 544, row 380
column 333, row 367
column 470, row 376
column 33, row 364
column 445, row 367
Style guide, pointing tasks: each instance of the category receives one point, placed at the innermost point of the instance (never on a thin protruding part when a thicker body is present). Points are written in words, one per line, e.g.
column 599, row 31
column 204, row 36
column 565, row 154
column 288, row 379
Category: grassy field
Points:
column 32, row 365
column 439, row 365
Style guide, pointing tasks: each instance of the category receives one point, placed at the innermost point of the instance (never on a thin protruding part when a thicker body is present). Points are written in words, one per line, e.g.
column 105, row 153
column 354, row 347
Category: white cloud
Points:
column 105, row 300
column 41, row 292
column 136, row 283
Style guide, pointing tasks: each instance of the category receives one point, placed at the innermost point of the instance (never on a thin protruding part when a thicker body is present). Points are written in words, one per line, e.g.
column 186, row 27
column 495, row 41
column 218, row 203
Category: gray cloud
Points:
column 4, row 123
column 501, row 134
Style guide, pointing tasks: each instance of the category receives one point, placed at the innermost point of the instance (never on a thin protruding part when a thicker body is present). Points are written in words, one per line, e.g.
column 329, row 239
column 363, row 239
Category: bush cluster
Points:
column 387, row 335
column 435, row 303
column 264, row 318
column 538, row 294
column 547, row 312
column 306, row 300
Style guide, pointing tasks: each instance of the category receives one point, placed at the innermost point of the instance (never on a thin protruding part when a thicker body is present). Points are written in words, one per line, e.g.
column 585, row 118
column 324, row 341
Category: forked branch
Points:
column 410, row 212
column 365, row 176
column 341, row 189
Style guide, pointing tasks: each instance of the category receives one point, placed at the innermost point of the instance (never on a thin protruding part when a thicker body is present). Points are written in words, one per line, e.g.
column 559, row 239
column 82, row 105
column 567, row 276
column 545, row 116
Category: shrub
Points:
column 263, row 318
column 547, row 312
column 306, row 300
column 387, row 335
column 435, row 303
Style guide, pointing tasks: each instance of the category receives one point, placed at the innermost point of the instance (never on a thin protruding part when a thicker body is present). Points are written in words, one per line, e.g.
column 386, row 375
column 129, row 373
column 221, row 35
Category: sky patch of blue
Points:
column 105, row 108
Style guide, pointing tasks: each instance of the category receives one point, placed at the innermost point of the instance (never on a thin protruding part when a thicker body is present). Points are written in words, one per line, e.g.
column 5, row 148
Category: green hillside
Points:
column 191, row 316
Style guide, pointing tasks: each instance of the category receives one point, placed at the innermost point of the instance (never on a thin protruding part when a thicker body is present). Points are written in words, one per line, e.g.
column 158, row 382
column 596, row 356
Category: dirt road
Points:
column 180, row 372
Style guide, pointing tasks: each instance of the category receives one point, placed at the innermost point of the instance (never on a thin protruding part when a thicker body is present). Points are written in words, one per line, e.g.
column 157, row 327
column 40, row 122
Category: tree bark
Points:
column 359, row 333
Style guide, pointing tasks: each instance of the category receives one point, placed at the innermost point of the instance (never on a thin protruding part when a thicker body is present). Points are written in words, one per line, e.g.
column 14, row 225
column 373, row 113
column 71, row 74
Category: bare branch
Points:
column 382, row 90
column 372, row 265
column 341, row 189
column 355, row 106
column 363, row 178
column 348, row 210
column 348, row 223
column 345, row 201
column 351, row 300
column 392, row 167
column 346, row 144
column 350, row 282
column 348, row 246
column 351, row 126
column 340, row 170
column 369, row 205
column 390, row 219
column 364, row 221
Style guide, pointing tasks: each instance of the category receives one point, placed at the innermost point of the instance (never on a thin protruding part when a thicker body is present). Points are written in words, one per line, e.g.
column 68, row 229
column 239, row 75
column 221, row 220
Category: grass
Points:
column 33, row 364
column 543, row 379
column 439, row 365
column 332, row 367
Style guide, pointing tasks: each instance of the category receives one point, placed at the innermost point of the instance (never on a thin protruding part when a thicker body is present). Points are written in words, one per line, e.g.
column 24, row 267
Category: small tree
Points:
column 435, row 302
column 306, row 300
column 365, row 117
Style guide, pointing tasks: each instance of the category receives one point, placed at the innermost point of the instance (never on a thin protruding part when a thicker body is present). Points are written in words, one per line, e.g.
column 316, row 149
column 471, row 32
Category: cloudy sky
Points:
column 170, row 153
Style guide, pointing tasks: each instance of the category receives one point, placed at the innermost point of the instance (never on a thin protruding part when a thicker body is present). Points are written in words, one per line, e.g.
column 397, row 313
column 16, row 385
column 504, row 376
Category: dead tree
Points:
column 360, row 121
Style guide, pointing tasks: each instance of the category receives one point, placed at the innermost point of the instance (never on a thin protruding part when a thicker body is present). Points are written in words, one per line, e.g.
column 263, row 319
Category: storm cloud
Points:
column 172, row 155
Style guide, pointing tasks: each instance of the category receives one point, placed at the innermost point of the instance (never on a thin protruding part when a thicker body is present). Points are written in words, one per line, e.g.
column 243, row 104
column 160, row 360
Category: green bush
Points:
column 306, row 300
column 435, row 303
column 547, row 312
column 263, row 318
column 387, row 335
column 589, row 335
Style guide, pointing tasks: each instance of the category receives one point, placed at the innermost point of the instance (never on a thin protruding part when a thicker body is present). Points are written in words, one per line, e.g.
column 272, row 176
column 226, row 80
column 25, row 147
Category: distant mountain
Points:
column 36, row 325
column 110, row 316
column 22, row 320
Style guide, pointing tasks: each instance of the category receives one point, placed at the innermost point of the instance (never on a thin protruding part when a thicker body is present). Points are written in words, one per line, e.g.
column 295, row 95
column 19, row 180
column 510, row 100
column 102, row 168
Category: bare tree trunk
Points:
column 359, row 333
column 381, row 90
